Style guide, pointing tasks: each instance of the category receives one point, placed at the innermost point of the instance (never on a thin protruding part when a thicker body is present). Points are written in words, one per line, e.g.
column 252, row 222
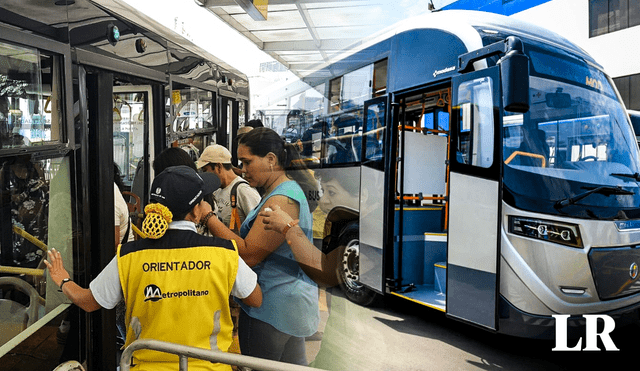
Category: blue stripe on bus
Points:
column 504, row 7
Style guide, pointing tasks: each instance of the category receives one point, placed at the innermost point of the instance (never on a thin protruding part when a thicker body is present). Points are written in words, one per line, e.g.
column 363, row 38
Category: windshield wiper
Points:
column 605, row 190
column 635, row 176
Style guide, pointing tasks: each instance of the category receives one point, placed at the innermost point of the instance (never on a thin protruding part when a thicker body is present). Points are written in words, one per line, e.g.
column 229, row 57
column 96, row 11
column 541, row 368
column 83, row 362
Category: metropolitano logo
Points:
column 152, row 292
column 591, row 333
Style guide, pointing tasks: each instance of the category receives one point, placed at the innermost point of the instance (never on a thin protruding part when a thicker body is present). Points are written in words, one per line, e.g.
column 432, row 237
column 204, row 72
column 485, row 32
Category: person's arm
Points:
column 255, row 298
column 259, row 242
column 319, row 267
column 81, row 297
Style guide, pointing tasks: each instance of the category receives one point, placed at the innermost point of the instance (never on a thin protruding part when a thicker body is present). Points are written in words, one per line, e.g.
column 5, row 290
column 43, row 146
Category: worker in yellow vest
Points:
column 173, row 279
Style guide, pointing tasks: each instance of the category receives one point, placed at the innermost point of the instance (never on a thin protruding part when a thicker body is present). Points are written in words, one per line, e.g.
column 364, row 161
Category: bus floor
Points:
column 40, row 351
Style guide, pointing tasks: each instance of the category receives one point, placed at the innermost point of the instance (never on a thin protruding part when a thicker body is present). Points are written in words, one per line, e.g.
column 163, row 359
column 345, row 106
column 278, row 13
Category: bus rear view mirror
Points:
column 558, row 100
column 514, row 71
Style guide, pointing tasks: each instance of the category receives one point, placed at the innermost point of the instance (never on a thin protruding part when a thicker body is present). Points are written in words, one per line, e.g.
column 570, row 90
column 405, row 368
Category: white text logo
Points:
column 591, row 333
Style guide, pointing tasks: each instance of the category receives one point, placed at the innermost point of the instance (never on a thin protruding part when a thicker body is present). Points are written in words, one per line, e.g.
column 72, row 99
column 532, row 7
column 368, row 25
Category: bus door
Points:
column 473, row 248
column 372, row 193
column 228, row 121
column 133, row 144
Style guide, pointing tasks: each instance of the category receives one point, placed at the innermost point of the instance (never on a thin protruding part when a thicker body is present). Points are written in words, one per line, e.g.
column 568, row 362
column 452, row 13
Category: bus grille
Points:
column 615, row 271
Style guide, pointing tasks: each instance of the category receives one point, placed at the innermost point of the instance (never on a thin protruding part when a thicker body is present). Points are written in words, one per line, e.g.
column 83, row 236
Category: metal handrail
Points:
column 185, row 352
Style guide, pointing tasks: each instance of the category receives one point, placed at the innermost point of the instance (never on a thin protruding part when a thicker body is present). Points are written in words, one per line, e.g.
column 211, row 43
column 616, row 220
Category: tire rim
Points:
column 351, row 265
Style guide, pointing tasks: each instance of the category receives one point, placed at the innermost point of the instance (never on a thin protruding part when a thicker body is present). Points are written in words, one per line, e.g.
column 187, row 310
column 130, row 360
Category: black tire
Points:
column 348, row 269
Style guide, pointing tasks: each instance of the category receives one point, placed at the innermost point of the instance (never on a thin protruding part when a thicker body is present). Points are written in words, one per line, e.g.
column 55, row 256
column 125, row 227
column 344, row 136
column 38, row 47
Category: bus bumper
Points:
column 515, row 322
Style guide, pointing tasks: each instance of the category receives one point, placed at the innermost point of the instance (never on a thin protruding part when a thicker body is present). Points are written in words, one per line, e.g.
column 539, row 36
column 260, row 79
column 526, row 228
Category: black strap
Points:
column 126, row 234
column 234, row 192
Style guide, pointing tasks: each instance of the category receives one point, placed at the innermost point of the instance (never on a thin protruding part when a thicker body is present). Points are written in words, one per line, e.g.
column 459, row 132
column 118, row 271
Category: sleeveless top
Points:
column 177, row 290
column 289, row 296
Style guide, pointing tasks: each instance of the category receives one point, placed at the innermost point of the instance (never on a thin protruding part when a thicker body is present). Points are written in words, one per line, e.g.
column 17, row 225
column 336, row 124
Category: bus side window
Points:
column 476, row 125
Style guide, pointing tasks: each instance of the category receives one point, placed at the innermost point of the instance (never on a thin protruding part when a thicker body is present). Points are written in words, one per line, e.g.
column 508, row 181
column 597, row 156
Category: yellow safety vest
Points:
column 176, row 289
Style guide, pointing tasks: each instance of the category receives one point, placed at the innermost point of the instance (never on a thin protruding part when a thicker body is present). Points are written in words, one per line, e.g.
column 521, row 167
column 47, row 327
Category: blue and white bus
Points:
column 481, row 166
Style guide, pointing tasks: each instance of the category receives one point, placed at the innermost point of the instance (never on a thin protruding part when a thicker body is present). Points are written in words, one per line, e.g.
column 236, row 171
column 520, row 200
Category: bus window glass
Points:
column 356, row 88
column 30, row 97
column 193, row 108
column 343, row 142
column 128, row 132
column 37, row 215
column 476, row 133
column 242, row 112
column 374, row 132
column 206, row 109
column 335, row 94
column 318, row 105
column 380, row 78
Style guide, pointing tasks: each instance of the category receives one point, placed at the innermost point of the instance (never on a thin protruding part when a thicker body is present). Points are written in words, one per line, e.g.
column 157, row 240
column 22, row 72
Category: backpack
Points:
column 234, row 223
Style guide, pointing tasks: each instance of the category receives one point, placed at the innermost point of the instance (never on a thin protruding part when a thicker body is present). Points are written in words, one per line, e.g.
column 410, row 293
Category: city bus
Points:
column 480, row 166
column 84, row 84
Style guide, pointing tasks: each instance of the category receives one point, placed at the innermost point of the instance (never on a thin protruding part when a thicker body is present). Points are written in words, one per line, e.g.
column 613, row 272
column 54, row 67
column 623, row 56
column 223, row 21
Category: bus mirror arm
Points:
column 514, row 71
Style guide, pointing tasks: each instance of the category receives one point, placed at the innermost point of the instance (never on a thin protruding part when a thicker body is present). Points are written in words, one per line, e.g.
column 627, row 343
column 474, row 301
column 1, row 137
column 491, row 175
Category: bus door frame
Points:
column 475, row 207
column 228, row 123
column 372, row 205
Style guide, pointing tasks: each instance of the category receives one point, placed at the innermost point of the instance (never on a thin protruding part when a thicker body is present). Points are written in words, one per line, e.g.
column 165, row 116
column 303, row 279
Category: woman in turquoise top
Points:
column 289, row 311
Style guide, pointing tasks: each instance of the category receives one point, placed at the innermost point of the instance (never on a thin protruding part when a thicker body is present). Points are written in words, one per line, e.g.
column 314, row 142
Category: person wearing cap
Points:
column 174, row 278
column 235, row 198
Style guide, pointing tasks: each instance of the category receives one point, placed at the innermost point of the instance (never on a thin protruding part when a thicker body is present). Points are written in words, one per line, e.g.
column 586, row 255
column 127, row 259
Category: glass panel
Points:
column 476, row 126
column 356, row 88
column 30, row 98
column 128, row 132
column 374, row 132
column 335, row 88
column 193, row 109
column 634, row 92
column 380, row 78
column 618, row 18
column 242, row 112
column 206, row 109
column 36, row 215
column 634, row 13
column 343, row 143
column 598, row 17
column 622, row 83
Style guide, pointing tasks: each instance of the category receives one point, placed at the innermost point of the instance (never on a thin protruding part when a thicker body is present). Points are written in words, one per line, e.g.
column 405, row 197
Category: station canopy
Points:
column 304, row 34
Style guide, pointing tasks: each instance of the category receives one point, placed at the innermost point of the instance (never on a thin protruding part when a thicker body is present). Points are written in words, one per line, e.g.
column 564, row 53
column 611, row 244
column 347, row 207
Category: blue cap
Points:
column 180, row 188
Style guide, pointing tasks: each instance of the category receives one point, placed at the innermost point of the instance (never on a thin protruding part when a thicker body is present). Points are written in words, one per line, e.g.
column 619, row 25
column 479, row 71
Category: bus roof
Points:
column 411, row 43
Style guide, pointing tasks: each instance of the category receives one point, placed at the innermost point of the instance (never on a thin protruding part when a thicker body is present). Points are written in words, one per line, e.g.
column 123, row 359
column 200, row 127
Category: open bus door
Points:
column 473, row 249
column 372, row 193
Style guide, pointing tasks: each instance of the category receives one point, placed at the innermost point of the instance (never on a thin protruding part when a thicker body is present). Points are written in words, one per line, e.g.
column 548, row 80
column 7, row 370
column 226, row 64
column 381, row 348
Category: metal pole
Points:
column 185, row 352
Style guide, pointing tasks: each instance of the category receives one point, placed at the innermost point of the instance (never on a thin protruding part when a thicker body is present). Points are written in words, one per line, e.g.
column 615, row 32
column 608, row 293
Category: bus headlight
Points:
column 556, row 232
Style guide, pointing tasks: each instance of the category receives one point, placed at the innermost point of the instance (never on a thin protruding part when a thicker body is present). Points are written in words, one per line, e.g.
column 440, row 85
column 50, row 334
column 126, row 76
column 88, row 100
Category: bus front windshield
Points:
column 574, row 153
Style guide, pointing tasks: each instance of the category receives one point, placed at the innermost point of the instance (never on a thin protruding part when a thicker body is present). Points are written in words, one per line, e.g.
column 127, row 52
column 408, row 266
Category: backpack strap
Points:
column 233, row 198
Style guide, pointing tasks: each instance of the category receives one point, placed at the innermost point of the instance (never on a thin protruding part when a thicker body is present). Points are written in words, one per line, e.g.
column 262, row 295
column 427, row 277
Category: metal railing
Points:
column 185, row 352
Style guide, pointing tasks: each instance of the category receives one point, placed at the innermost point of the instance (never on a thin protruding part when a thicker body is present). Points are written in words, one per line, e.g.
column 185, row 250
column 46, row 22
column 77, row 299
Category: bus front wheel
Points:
column 349, row 269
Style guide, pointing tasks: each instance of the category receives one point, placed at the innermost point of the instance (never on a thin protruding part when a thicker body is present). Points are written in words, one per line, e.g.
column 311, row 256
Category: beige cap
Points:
column 244, row 129
column 215, row 154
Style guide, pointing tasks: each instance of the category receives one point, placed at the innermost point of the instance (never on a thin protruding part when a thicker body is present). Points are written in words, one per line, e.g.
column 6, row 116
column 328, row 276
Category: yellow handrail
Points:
column 19, row 270
column 526, row 154
column 30, row 238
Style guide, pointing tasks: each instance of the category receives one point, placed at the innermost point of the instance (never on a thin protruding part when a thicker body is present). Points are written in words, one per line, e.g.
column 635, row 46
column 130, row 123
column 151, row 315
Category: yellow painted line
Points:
column 419, row 302
column 322, row 301
column 419, row 208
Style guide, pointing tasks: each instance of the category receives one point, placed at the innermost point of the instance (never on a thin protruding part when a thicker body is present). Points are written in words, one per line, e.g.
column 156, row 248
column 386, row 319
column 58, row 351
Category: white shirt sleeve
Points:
column 248, row 199
column 246, row 280
column 106, row 287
